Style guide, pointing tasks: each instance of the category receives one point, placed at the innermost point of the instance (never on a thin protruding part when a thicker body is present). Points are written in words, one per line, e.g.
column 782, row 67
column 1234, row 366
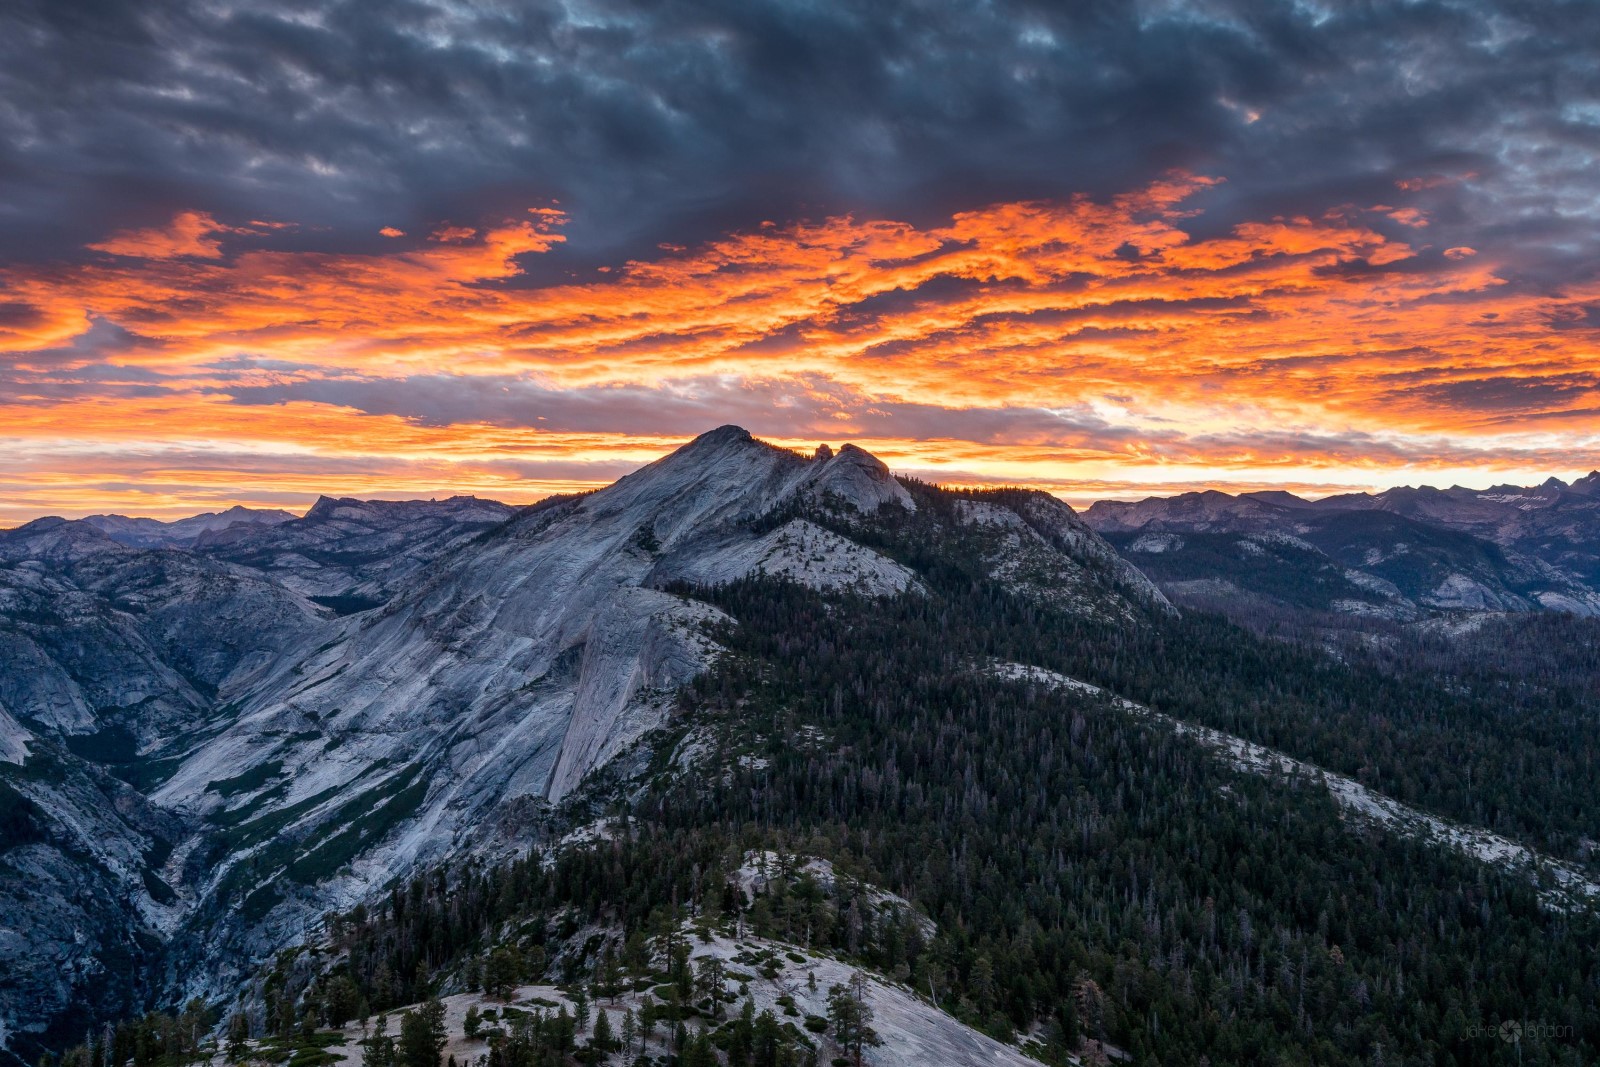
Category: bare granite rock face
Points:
column 355, row 554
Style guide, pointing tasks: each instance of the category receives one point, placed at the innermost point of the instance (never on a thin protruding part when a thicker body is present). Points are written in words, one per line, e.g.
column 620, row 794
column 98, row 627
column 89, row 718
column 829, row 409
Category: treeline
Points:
column 152, row 1040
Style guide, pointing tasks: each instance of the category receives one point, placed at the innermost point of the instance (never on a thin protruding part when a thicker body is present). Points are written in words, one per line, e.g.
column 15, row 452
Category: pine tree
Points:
column 380, row 1051
column 502, row 973
column 768, row 1040
column 602, row 1038
column 698, row 1052
column 851, row 1016
column 238, row 1037
column 422, row 1036
column 341, row 1001
column 647, row 1024
column 580, row 1008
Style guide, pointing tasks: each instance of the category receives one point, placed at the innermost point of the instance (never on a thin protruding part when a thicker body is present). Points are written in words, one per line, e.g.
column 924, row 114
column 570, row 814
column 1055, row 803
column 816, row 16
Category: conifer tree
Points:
column 630, row 1028
column 602, row 1039
column 422, row 1036
column 851, row 1016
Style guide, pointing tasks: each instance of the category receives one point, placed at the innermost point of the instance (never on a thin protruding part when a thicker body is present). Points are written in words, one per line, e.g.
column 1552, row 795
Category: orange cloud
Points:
column 191, row 233
column 1072, row 343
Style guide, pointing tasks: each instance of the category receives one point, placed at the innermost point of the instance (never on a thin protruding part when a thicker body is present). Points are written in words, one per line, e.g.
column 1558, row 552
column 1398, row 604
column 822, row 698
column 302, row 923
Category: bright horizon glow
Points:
column 1078, row 495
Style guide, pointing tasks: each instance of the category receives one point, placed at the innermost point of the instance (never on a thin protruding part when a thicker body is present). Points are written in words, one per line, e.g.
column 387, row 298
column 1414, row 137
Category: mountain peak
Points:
column 859, row 478
column 728, row 473
column 722, row 435
column 55, row 538
column 711, row 449
column 1588, row 485
column 325, row 506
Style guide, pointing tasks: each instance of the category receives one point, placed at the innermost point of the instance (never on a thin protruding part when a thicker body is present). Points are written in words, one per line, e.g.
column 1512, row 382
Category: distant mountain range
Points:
column 181, row 533
column 1396, row 554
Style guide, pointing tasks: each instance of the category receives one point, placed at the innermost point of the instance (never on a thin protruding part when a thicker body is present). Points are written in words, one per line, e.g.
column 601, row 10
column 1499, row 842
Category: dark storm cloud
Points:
column 672, row 121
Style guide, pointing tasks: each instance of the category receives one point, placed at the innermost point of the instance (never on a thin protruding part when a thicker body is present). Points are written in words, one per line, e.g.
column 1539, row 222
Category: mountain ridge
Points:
column 1524, row 548
column 1109, row 511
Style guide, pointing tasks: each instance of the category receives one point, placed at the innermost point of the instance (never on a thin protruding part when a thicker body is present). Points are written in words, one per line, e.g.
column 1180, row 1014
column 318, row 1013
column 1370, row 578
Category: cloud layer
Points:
column 253, row 254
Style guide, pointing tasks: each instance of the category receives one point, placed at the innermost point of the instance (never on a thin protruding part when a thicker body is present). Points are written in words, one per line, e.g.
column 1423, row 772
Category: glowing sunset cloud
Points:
column 250, row 256
column 1090, row 346
column 1082, row 345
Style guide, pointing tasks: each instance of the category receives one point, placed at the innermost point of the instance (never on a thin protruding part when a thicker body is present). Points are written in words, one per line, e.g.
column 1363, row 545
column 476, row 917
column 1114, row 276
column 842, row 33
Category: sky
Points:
column 254, row 253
